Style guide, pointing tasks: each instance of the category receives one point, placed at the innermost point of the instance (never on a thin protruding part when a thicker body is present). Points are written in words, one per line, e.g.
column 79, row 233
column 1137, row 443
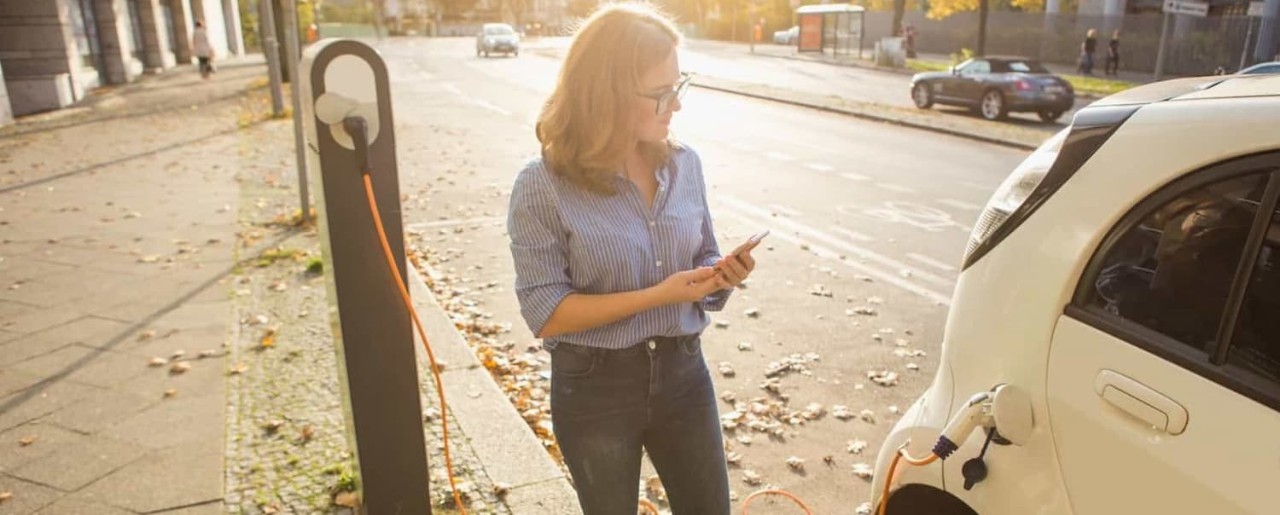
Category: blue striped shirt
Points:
column 565, row 239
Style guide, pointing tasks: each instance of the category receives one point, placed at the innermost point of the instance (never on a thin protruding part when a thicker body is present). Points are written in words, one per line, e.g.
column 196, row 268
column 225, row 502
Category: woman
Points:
column 616, row 266
column 202, row 49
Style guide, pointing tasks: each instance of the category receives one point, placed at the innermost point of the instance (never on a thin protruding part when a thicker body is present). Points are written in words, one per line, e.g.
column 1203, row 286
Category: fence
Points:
column 1196, row 46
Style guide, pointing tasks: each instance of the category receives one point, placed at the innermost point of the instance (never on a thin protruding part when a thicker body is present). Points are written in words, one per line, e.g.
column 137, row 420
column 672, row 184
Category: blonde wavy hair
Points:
column 585, row 127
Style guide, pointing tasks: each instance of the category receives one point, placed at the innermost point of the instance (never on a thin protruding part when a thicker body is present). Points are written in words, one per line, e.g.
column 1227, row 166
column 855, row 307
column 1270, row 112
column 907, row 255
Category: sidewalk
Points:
column 164, row 337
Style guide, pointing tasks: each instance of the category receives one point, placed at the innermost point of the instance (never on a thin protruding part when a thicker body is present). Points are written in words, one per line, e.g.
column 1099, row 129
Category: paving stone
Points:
column 192, row 419
column 50, row 438
column 87, row 331
column 28, row 497
column 182, row 475
column 38, row 401
column 74, row 466
column 85, row 365
column 69, row 506
column 101, row 409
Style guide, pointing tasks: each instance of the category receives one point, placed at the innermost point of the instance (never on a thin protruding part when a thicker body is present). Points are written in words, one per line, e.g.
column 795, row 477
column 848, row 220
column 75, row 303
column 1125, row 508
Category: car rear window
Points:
column 1017, row 67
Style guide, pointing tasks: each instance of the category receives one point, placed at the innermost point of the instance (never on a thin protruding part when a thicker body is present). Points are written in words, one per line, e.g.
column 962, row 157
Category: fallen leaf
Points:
column 170, row 393
column 500, row 490
column 728, row 396
column 209, row 353
column 863, row 471
column 157, row 362
column 146, row 335
column 268, row 339
column 273, row 426
column 270, row 509
column 721, row 324
column 864, row 509
column 726, row 369
column 653, row 487
column 744, row 439
column 752, row 313
column 796, row 463
column 884, row 378
column 856, row 447
column 308, row 432
column 239, row 369
column 750, row 477
column 894, row 410
column 346, row 499
column 733, row 458
column 913, row 366
column 829, row 460
column 868, row 416
column 745, row 346
column 5, row 496
column 180, row 367
column 177, row 355
column 28, row 440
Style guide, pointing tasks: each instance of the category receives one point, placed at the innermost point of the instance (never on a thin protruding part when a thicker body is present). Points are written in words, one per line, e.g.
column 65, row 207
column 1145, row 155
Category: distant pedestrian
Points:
column 1087, row 50
column 203, row 50
column 1113, row 54
column 909, row 32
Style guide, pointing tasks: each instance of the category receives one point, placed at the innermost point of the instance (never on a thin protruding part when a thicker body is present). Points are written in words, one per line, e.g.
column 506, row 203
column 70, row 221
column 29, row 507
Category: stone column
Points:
column 115, row 39
column 156, row 54
column 182, row 26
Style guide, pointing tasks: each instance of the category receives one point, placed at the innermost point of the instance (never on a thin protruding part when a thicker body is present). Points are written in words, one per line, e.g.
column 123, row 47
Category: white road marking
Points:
column 959, row 204
column 490, row 107
column 895, row 187
column 819, row 167
column 855, row 236
column 783, row 210
column 931, row 262
column 454, row 223
column 828, row 239
column 778, row 156
column 827, row 253
column 854, row 176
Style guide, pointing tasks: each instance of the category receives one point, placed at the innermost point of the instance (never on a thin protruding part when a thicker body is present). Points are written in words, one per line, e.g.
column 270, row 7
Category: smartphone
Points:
column 750, row 243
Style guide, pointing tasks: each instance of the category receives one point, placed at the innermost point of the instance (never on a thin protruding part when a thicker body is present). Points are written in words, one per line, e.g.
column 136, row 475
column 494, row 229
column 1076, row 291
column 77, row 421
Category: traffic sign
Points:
column 1200, row 9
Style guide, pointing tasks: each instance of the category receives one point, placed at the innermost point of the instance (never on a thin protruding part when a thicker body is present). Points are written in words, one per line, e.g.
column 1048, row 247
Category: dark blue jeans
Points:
column 608, row 405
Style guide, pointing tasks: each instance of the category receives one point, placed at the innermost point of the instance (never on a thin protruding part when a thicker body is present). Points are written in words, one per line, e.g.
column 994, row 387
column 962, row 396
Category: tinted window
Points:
column 976, row 67
column 1265, row 69
column 1172, row 272
column 1017, row 67
column 1256, row 345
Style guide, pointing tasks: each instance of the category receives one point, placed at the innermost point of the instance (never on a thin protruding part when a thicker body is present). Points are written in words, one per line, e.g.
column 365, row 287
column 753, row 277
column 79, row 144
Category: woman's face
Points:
column 652, row 123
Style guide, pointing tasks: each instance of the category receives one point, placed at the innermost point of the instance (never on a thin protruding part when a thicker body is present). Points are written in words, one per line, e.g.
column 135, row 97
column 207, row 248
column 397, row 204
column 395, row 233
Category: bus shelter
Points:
column 834, row 27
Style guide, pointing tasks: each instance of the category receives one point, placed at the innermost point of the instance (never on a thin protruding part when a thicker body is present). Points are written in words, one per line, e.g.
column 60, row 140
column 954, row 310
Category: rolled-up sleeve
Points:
column 709, row 252
column 537, row 248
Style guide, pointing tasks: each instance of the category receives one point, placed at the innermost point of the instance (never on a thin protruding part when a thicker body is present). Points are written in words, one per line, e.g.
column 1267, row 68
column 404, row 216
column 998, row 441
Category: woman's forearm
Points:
column 580, row 312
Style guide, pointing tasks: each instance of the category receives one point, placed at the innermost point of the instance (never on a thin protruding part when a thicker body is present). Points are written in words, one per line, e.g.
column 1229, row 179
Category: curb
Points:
column 508, row 451
column 875, row 118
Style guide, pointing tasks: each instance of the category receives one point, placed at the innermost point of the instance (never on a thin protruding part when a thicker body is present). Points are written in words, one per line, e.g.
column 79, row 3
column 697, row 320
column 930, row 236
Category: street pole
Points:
column 1164, row 36
column 1248, row 35
column 271, row 48
column 300, row 156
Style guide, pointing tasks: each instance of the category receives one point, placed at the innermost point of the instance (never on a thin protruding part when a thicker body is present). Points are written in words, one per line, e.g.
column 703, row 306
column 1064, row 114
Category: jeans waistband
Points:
column 636, row 348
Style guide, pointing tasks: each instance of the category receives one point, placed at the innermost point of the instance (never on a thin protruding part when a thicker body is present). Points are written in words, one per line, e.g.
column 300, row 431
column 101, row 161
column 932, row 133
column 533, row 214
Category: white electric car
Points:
column 1125, row 279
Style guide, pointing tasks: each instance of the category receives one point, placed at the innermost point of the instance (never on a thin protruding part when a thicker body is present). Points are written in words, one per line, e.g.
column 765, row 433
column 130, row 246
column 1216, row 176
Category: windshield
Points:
column 498, row 30
column 1025, row 66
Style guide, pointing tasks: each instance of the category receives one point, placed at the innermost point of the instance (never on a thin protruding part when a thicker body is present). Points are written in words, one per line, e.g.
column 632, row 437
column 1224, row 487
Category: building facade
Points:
column 52, row 52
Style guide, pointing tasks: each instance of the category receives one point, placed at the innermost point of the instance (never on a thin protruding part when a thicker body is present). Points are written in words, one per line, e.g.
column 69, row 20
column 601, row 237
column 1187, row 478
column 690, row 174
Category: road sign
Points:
column 1200, row 9
column 1256, row 9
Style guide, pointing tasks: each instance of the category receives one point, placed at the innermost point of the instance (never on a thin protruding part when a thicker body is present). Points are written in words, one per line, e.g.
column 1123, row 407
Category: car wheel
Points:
column 1050, row 116
column 992, row 106
column 922, row 95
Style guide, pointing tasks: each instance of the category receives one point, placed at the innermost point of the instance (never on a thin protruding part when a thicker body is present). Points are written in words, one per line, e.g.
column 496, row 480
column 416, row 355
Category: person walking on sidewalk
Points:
column 1087, row 50
column 202, row 49
column 1113, row 54
column 617, row 266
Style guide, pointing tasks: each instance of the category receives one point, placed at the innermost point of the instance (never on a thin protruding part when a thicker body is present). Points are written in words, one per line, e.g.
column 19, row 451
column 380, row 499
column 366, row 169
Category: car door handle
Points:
column 1141, row 401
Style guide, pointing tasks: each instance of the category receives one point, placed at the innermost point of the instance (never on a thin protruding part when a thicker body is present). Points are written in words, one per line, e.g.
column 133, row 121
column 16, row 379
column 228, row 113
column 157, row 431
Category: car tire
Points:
column 1050, row 116
column 922, row 95
column 992, row 106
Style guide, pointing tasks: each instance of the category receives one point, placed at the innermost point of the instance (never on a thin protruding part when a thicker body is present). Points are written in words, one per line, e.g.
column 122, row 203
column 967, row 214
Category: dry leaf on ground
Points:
column 170, row 393
column 268, row 339
column 863, row 471
column 180, row 367
column 157, row 362
column 28, row 440
column 4, row 496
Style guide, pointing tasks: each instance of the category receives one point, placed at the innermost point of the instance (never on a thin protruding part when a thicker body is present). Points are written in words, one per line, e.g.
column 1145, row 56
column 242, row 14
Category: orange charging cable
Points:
column 408, row 303
column 901, row 455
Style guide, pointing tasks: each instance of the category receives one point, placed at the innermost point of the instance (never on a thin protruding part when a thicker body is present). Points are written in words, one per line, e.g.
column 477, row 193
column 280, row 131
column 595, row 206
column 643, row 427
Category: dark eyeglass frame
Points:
column 664, row 99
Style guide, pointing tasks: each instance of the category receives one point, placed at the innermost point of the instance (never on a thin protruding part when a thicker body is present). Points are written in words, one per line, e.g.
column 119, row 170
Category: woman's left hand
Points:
column 736, row 268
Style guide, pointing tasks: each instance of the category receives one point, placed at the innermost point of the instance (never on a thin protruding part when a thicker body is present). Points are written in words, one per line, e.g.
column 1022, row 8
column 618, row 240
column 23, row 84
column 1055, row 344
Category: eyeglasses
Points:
column 666, row 98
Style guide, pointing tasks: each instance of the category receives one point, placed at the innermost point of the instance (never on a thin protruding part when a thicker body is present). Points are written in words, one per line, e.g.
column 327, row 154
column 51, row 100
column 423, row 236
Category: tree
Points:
column 984, row 9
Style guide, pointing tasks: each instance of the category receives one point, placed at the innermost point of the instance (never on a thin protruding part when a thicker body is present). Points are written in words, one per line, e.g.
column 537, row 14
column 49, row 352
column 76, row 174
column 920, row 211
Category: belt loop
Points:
column 653, row 344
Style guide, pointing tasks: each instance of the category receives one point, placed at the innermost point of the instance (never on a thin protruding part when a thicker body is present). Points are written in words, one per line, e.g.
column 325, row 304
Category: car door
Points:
column 1164, row 371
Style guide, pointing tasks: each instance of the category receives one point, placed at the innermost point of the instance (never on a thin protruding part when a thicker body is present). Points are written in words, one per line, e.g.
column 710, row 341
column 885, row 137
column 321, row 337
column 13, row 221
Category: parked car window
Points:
column 977, row 67
column 1017, row 67
column 498, row 30
column 1172, row 272
column 1256, row 345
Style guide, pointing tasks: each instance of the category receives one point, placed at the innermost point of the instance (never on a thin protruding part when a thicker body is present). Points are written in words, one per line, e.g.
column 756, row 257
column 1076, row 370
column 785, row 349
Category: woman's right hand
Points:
column 692, row 285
